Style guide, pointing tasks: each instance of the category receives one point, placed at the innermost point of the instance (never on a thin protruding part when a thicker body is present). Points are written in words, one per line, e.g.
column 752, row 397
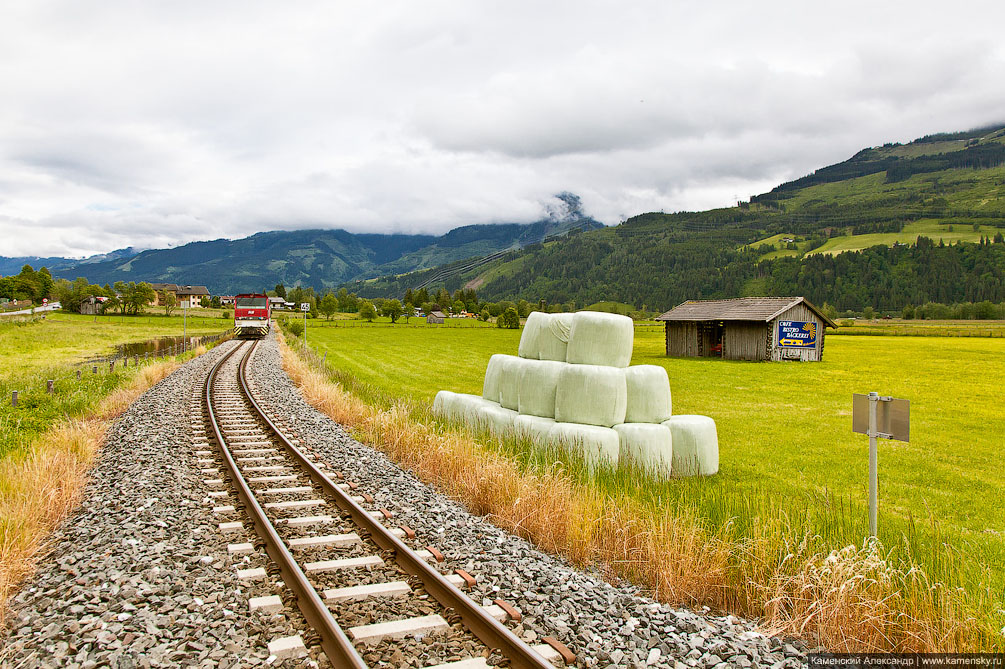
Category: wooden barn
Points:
column 436, row 318
column 746, row 328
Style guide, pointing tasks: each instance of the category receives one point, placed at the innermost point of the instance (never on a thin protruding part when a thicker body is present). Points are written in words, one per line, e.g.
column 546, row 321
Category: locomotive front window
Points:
column 255, row 302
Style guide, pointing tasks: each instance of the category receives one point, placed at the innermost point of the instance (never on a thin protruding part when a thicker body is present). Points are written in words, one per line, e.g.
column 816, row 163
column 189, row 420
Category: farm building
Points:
column 436, row 318
column 746, row 328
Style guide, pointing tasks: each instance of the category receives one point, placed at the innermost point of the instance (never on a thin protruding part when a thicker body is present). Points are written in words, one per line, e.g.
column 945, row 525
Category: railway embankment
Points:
column 140, row 575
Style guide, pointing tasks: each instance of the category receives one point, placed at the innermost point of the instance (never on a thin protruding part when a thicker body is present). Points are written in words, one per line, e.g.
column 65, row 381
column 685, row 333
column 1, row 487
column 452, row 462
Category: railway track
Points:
column 312, row 545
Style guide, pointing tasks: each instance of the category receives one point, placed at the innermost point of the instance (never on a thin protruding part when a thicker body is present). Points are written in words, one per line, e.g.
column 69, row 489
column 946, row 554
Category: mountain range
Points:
column 893, row 226
column 319, row 258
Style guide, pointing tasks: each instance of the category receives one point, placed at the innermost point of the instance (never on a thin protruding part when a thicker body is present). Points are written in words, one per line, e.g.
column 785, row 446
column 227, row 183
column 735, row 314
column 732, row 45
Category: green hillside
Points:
column 319, row 258
column 891, row 226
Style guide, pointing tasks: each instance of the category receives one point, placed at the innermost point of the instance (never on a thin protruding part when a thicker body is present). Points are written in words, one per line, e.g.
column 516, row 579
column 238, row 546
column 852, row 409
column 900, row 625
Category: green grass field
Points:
column 909, row 235
column 786, row 445
column 32, row 353
column 784, row 426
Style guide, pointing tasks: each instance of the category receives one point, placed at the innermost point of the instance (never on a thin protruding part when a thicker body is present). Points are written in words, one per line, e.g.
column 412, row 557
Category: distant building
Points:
column 160, row 289
column 436, row 317
column 227, row 299
column 747, row 328
column 191, row 296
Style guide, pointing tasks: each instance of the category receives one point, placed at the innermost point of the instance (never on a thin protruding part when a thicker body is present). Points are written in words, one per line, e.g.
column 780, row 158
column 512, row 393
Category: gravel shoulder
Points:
column 139, row 576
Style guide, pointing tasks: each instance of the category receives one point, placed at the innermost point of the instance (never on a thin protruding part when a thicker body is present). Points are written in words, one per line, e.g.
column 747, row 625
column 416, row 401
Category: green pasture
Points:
column 784, row 426
column 909, row 235
column 787, row 452
column 33, row 352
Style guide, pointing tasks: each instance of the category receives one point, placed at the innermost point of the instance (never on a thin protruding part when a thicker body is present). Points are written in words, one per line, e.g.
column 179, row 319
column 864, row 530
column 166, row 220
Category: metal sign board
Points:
column 305, row 306
column 797, row 334
column 893, row 417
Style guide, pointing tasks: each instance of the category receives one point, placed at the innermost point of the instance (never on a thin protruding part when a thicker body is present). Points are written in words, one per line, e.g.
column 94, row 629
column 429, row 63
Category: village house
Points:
column 190, row 296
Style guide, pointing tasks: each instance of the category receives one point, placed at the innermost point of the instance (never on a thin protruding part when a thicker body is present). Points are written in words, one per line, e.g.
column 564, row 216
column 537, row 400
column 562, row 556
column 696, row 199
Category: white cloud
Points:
column 151, row 124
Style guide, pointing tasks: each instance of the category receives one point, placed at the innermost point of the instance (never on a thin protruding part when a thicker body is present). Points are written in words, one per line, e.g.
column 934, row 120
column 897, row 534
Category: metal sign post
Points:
column 305, row 307
column 879, row 417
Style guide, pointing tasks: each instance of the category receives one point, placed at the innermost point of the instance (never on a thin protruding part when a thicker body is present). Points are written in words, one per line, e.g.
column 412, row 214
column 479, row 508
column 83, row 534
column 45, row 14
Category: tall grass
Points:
column 42, row 483
column 737, row 555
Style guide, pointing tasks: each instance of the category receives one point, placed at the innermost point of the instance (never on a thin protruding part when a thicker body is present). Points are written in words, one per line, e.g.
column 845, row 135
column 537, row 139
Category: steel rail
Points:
column 488, row 630
column 336, row 644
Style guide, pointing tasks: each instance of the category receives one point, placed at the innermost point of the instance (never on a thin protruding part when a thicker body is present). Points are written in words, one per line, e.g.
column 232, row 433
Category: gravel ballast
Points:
column 140, row 575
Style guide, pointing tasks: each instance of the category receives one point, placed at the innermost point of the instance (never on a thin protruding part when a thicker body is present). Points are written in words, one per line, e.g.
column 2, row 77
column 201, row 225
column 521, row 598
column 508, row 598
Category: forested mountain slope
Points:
column 319, row 258
column 891, row 226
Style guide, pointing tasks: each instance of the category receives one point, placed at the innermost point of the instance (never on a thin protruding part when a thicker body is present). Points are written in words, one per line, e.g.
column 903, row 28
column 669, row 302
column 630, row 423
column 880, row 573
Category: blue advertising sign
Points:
column 797, row 334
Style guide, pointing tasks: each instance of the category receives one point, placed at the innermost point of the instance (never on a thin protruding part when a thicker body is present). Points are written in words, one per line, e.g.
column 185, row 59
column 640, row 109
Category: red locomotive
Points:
column 252, row 315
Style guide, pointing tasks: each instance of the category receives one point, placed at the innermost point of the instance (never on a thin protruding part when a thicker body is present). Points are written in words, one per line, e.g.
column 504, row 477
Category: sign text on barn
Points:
column 797, row 334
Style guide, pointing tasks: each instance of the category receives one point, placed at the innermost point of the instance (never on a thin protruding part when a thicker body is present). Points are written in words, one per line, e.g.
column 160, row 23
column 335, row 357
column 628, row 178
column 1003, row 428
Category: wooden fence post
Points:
column 111, row 366
column 13, row 398
column 94, row 369
column 78, row 375
column 49, row 386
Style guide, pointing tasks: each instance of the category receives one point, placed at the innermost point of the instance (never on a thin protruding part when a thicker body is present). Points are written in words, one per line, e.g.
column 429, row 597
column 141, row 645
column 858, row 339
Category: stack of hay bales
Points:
column 571, row 385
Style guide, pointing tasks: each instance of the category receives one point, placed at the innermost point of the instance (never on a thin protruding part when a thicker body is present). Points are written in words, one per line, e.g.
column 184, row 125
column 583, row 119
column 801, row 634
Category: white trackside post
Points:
column 873, row 465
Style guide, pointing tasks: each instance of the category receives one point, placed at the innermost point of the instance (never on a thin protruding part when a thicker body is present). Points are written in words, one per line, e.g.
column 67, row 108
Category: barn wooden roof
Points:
column 738, row 309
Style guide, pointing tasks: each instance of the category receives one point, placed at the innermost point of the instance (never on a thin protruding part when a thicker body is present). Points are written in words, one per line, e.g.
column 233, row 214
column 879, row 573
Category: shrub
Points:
column 509, row 319
column 295, row 327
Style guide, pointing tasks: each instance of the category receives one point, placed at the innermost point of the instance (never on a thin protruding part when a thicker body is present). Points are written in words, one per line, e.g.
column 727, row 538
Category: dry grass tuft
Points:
column 39, row 490
column 848, row 600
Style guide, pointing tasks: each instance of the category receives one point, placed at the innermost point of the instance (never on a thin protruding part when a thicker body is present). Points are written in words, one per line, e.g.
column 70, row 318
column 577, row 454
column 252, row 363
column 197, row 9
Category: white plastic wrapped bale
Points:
column 510, row 372
column 530, row 337
column 535, row 428
column 648, row 394
column 646, row 447
column 444, row 404
column 553, row 339
column 493, row 418
column 490, row 388
column 600, row 339
column 468, row 408
column 695, row 445
column 538, row 386
column 598, row 446
column 591, row 394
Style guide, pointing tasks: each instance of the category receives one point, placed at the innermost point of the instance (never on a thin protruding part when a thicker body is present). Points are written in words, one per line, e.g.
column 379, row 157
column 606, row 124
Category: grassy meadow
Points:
column 54, row 348
column 788, row 458
column 48, row 442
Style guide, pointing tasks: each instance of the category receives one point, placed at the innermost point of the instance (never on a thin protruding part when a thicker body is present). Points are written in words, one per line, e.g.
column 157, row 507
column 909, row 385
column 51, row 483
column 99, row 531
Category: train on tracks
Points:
column 252, row 315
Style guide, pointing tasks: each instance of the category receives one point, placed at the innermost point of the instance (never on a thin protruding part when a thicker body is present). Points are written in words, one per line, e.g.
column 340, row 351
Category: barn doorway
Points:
column 710, row 338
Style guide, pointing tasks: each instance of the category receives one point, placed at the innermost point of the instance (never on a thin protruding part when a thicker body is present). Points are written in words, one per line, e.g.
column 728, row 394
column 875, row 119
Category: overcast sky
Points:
column 157, row 123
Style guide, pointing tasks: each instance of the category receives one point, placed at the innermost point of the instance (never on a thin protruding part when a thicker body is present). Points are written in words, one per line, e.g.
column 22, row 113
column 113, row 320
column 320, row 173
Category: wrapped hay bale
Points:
column 490, row 388
column 468, row 408
column 530, row 336
column 646, row 447
column 648, row 394
column 443, row 405
column 600, row 339
column 510, row 372
column 553, row 340
column 538, row 386
column 695, row 445
column 495, row 419
column 591, row 394
column 598, row 446
column 534, row 428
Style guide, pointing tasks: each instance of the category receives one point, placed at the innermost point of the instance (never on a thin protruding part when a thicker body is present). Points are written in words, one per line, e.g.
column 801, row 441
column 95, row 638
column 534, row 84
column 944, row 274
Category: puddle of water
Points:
column 151, row 346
